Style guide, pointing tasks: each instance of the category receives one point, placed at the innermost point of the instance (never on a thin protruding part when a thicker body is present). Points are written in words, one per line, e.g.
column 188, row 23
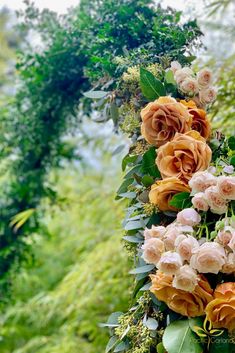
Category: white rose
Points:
column 169, row 238
column 189, row 86
column 175, row 65
column 225, row 235
column 185, row 279
column 152, row 250
column 208, row 258
column 182, row 74
column 170, row 263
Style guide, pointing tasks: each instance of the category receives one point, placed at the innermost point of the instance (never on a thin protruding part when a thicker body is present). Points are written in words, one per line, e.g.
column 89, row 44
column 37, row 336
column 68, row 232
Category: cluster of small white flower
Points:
column 198, row 87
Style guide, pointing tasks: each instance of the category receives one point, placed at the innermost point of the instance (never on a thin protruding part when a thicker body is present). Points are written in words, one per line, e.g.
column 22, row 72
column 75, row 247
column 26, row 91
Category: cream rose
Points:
column 185, row 279
column 199, row 202
column 183, row 74
column 208, row 258
column 161, row 120
column 226, row 187
column 188, row 217
column 207, row 96
column 170, row 237
column 204, row 78
column 170, row 262
column 202, row 180
column 152, row 250
column 216, row 202
column 189, row 86
column 231, row 243
column 154, row 232
column 186, row 154
column 175, row 65
column 185, row 246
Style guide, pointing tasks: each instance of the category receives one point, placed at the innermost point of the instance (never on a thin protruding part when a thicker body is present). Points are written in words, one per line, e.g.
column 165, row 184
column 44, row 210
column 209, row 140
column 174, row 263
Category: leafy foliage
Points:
column 79, row 51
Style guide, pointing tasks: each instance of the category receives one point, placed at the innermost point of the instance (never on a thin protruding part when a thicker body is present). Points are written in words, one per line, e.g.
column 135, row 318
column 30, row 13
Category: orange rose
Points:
column 221, row 310
column 162, row 119
column 200, row 121
column 182, row 302
column 185, row 155
column 163, row 190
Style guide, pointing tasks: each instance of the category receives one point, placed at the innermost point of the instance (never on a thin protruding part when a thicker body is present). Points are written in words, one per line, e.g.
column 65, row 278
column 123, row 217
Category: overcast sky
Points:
column 60, row 6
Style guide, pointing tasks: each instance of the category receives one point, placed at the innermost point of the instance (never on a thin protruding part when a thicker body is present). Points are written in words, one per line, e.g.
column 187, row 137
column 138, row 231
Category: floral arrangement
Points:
column 180, row 221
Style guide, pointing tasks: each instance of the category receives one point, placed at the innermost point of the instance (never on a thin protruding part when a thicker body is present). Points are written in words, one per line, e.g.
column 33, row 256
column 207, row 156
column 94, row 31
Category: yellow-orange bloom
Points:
column 221, row 310
column 163, row 190
column 182, row 302
column 185, row 155
column 200, row 121
column 162, row 119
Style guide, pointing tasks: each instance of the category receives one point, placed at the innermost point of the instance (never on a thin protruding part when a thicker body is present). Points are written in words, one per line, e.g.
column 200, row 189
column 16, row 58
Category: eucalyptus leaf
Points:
column 142, row 269
column 122, row 346
column 111, row 344
column 151, row 323
column 133, row 239
column 95, row 94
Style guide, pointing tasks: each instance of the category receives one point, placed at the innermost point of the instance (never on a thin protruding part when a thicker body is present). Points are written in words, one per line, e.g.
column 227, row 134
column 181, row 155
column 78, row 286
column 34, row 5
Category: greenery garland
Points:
column 81, row 49
column 179, row 224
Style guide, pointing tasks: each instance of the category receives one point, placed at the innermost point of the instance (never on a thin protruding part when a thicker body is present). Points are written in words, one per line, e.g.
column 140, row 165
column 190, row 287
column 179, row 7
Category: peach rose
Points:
column 186, row 154
column 200, row 181
column 154, row 232
column 163, row 190
column 200, row 121
column 188, row 217
column 185, row 245
column 229, row 266
column 226, row 187
column 162, row 119
column 170, row 262
column 225, row 235
column 208, row 258
column 152, row 250
column 199, row 202
column 182, row 302
column 189, row 86
column 170, row 237
column 185, row 279
column 207, row 96
column 221, row 310
column 216, row 202
column 204, row 77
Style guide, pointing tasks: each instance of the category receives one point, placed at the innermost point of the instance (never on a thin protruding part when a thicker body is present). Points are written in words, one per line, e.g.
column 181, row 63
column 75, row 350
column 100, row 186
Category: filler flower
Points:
column 162, row 119
column 184, row 155
column 221, row 310
column 163, row 190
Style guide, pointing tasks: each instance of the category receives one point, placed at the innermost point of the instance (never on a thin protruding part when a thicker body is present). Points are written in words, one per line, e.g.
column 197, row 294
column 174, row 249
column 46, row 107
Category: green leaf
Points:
column 151, row 324
column 147, row 180
column 231, row 143
column 128, row 195
column 21, row 218
column 222, row 344
column 179, row 338
column 142, row 269
column 122, row 346
column 181, row 200
column 128, row 160
column 169, row 77
column 232, row 161
column 124, row 186
column 148, row 163
column 112, row 320
column 132, row 239
column 134, row 225
column 119, row 149
column 95, row 94
column 151, row 87
column 160, row 348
